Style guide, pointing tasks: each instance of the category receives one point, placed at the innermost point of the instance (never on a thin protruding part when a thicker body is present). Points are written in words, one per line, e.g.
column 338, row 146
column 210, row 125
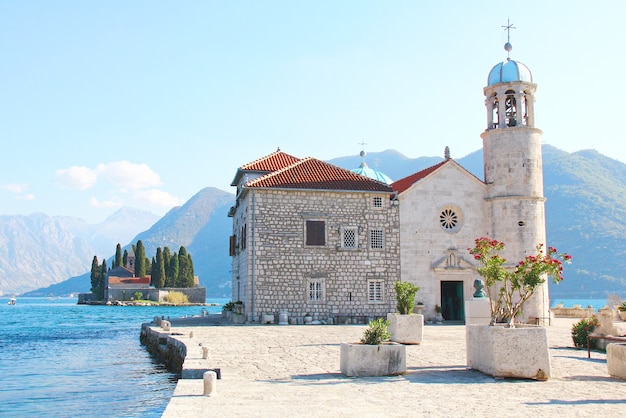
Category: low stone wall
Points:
column 167, row 350
column 576, row 312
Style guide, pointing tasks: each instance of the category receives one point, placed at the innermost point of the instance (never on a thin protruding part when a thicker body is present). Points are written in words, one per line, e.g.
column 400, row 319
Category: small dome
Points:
column 508, row 71
column 366, row 171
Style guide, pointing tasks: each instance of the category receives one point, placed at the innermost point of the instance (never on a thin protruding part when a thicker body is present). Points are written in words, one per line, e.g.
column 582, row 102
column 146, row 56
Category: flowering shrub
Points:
column 509, row 289
column 581, row 329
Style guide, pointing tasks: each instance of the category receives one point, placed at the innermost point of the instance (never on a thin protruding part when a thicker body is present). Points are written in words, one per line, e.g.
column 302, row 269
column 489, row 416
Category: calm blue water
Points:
column 569, row 303
column 64, row 360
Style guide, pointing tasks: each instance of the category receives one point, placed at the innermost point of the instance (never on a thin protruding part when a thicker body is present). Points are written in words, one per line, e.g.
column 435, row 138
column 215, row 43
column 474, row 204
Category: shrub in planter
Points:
column 374, row 355
column 581, row 329
column 376, row 333
column 509, row 289
column 405, row 297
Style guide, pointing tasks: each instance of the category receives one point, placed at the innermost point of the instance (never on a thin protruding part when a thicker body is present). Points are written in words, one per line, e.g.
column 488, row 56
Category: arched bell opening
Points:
column 510, row 109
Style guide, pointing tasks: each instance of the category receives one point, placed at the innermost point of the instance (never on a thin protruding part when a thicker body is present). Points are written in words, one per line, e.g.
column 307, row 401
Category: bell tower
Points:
column 514, row 169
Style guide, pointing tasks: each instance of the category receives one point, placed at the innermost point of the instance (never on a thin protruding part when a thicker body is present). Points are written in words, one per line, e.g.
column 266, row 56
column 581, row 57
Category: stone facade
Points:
column 277, row 271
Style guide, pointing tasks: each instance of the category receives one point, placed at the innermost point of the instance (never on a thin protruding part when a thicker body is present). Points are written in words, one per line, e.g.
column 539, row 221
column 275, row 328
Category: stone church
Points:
column 312, row 238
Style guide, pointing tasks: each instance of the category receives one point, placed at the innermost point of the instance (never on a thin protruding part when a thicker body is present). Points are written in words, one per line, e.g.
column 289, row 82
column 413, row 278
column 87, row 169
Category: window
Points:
column 450, row 218
column 244, row 236
column 316, row 290
column 349, row 237
column 376, row 239
column 375, row 290
column 315, row 233
column 378, row 202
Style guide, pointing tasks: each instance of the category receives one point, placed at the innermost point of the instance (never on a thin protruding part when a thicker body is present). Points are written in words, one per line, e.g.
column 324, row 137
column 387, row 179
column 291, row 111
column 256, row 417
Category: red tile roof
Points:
column 129, row 280
column 313, row 174
column 274, row 161
column 404, row 183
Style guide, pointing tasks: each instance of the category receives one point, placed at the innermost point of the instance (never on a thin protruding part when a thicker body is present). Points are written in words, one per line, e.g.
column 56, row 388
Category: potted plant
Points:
column 438, row 316
column 507, row 350
column 308, row 318
column 404, row 326
column 374, row 355
column 622, row 311
column 419, row 308
column 227, row 309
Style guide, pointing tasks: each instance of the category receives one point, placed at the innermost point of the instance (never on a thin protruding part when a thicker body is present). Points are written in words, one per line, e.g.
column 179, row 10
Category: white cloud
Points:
column 75, row 177
column 159, row 198
column 27, row 196
column 95, row 203
column 15, row 188
column 127, row 175
column 19, row 190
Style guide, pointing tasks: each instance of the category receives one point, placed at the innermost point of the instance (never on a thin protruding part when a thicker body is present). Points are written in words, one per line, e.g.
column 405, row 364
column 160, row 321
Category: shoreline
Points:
column 293, row 370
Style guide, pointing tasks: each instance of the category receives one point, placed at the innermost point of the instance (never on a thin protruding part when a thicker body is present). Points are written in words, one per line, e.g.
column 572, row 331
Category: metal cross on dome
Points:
column 508, row 47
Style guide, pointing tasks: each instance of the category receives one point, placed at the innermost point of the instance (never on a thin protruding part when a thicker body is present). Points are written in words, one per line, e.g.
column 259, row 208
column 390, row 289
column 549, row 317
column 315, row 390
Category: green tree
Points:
column 101, row 279
column 185, row 268
column 125, row 258
column 118, row 256
column 158, row 274
column 95, row 278
column 140, row 260
column 172, row 271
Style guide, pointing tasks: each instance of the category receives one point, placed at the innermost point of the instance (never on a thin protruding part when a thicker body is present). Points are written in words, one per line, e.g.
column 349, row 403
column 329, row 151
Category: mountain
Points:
column 40, row 250
column 585, row 212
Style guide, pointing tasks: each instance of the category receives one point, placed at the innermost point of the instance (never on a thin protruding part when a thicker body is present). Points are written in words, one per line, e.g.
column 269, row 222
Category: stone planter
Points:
column 237, row 318
column 267, row 318
column 406, row 329
column 508, row 352
column 387, row 359
column 419, row 309
column 616, row 360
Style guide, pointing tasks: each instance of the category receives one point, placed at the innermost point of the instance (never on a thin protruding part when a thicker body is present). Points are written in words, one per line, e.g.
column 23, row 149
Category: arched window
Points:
column 495, row 120
column 510, row 108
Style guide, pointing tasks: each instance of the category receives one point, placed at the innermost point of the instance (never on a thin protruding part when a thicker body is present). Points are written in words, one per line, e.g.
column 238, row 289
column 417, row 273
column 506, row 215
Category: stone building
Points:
column 312, row 238
column 444, row 208
column 421, row 226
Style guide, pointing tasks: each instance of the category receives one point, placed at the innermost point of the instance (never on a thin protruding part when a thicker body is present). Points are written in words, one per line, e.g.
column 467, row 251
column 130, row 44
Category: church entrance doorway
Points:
column 452, row 301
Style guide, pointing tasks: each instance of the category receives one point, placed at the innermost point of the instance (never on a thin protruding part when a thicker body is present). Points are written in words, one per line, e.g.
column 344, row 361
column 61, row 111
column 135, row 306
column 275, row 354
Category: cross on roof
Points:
column 508, row 28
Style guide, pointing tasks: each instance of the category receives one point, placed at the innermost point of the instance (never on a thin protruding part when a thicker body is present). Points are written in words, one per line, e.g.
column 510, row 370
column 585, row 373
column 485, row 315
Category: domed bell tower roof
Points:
column 509, row 71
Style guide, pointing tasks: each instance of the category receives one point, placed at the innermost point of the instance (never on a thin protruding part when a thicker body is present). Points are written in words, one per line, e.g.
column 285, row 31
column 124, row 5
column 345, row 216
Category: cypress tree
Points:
column 95, row 276
column 125, row 258
column 101, row 279
column 140, row 260
column 118, row 256
column 172, row 274
column 158, row 275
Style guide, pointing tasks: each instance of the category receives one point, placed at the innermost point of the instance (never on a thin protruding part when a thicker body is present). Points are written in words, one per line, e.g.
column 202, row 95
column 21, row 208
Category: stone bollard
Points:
column 166, row 325
column 210, row 383
column 191, row 334
column 205, row 352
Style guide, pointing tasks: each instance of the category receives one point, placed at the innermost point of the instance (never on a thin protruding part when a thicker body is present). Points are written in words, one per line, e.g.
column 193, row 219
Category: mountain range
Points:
column 585, row 217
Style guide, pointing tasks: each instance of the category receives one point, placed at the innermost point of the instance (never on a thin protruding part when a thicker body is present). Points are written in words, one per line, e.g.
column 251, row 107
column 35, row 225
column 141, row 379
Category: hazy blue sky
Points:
column 144, row 103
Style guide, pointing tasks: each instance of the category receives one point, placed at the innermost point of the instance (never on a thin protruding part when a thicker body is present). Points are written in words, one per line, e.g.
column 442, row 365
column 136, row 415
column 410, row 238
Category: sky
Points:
column 105, row 104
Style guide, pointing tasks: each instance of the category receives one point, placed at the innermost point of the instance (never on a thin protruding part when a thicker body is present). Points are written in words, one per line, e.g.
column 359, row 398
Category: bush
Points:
column 178, row 298
column 377, row 333
column 138, row 295
column 405, row 297
column 581, row 329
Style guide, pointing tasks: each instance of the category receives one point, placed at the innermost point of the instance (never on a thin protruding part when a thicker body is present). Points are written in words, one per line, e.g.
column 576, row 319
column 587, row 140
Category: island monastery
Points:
column 312, row 238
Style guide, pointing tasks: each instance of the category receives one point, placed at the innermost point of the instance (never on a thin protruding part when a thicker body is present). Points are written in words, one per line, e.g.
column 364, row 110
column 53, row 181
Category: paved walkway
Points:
column 286, row 371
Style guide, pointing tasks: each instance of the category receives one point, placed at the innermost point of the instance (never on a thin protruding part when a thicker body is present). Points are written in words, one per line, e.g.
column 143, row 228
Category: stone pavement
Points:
column 293, row 370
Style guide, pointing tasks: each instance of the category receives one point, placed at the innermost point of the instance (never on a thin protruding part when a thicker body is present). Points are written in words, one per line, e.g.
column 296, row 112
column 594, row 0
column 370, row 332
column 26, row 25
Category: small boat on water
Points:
column 11, row 301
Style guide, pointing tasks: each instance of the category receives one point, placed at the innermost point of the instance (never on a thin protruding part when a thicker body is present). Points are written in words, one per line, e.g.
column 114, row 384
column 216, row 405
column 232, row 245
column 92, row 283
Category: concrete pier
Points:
column 292, row 370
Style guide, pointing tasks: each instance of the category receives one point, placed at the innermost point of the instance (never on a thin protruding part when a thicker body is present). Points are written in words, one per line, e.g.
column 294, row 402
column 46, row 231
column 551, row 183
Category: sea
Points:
column 60, row 359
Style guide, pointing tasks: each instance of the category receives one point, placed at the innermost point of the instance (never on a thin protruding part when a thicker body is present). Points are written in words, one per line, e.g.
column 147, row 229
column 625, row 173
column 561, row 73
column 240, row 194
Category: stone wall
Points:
column 273, row 272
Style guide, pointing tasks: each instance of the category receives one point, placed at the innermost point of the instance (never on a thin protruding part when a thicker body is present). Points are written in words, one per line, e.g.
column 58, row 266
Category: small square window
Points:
column 378, row 202
column 315, row 233
column 316, row 291
column 377, row 239
column 349, row 237
column 375, row 290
